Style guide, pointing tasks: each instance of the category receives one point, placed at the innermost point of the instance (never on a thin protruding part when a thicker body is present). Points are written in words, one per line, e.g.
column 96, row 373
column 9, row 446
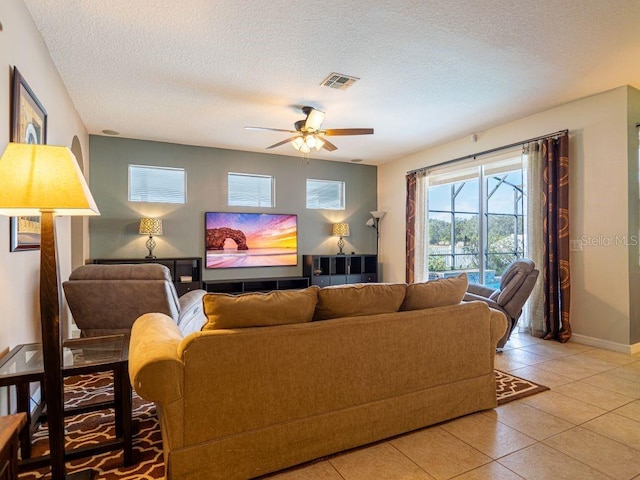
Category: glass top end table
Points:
column 76, row 353
column 24, row 364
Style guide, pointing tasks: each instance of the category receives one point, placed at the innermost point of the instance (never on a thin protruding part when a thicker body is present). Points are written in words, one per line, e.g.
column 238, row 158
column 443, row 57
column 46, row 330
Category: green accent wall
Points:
column 114, row 234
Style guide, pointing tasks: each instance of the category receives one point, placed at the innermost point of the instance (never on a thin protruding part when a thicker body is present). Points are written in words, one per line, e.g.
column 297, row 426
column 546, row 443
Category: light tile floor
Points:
column 586, row 427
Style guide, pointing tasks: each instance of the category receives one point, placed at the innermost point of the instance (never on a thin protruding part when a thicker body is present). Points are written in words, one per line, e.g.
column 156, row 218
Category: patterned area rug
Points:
column 98, row 426
column 510, row 387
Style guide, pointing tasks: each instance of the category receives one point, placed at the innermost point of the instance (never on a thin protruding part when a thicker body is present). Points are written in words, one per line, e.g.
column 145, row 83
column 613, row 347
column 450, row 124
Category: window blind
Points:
column 325, row 194
column 250, row 190
column 157, row 184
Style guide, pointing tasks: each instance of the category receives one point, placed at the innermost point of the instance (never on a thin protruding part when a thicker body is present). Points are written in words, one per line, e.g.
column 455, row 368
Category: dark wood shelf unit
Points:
column 178, row 266
column 325, row 270
column 255, row 285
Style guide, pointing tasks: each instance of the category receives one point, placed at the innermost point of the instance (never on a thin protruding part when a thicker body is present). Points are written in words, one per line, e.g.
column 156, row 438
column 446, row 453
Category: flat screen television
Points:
column 250, row 240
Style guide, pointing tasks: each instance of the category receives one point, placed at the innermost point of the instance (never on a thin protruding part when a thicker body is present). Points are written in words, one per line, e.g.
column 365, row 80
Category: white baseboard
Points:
column 606, row 344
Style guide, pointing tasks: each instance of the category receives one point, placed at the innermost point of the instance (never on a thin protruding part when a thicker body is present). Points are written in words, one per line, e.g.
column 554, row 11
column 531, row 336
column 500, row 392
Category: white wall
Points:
column 599, row 208
column 22, row 46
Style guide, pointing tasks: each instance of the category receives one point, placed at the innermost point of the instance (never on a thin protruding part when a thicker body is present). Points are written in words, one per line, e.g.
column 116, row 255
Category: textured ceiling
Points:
column 197, row 71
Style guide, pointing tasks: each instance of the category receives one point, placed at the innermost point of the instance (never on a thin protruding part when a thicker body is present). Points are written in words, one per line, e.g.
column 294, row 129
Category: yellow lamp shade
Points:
column 340, row 229
column 34, row 178
column 150, row 226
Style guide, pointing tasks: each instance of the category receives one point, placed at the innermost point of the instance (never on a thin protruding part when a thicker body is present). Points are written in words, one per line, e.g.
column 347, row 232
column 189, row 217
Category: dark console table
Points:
column 255, row 284
column 186, row 272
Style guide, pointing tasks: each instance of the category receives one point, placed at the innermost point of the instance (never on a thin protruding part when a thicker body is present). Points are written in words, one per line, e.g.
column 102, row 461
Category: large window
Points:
column 250, row 190
column 476, row 219
column 157, row 184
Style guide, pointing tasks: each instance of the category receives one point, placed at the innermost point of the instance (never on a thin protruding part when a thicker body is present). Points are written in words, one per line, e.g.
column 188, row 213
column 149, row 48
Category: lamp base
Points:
column 341, row 246
column 150, row 244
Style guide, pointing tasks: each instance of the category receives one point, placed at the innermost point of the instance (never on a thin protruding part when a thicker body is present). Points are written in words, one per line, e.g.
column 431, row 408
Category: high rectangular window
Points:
column 325, row 194
column 250, row 190
column 157, row 184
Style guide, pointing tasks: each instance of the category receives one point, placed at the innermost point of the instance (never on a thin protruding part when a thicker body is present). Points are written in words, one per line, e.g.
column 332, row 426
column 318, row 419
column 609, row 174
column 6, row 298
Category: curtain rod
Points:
column 493, row 150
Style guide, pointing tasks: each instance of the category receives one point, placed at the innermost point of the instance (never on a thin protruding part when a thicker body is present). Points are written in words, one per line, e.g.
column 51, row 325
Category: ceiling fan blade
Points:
column 283, row 142
column 314, row 120
column 327, row 144
column 270, row 129
column 347, row 131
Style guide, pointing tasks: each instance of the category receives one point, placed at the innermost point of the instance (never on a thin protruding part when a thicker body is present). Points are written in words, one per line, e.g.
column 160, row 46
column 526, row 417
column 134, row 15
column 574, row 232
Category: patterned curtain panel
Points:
column 557, row 284
column 411, row 226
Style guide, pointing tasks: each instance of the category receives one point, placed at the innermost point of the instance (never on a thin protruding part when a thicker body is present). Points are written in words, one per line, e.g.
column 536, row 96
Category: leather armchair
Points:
column 107, row 299
column 516, row 285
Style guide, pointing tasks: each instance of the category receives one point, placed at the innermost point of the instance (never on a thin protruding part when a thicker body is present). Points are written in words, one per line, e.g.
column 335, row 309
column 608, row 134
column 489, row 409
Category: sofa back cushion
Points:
column 359, row 299
column 278, row 307
column 435, row 293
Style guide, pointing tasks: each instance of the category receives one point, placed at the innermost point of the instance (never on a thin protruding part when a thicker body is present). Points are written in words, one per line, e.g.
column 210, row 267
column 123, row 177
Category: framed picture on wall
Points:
column 28, row 125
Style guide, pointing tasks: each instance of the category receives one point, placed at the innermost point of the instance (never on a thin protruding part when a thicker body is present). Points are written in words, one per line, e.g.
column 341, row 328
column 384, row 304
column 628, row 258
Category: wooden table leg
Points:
column 23, row 405
column 123, row 408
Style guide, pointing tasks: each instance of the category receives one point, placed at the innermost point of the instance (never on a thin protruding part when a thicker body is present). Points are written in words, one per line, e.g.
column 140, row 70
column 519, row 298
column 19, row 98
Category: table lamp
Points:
column 151, row 227
column 45, row 180
column 341, row 230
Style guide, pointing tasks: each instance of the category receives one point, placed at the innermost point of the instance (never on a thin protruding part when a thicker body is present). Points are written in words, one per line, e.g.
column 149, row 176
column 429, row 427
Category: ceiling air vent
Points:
column 339, row 81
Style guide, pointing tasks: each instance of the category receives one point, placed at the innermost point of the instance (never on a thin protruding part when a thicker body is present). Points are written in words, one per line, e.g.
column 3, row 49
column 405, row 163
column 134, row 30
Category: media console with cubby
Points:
column 321, row 270
column 255, row 284
column 325, row 270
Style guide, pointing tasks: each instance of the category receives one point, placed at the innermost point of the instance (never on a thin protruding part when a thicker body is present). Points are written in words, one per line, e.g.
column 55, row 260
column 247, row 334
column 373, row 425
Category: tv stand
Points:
column 248, row 285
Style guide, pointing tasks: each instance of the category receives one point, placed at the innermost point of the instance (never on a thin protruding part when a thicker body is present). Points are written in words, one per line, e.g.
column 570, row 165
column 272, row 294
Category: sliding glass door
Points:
column 476, row 219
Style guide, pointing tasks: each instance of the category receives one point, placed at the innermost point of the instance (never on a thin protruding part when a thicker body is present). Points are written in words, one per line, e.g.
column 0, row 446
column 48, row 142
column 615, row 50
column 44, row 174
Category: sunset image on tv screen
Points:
column 250, row 240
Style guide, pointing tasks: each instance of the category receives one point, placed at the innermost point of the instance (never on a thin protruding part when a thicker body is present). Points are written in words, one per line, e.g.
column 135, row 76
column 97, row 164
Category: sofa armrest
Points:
column 192, row 316
column 155, row 369
column 481, row 290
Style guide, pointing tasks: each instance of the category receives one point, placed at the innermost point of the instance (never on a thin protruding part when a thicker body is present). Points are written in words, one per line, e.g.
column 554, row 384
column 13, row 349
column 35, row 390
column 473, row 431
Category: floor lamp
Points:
column 375, row 223
column 44, row 181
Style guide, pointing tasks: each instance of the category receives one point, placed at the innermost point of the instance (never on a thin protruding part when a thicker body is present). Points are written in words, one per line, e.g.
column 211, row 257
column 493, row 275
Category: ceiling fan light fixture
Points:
column 319, row 144
column 310, row 140
column 297, row 143
column 305, row 148
column 314, row 120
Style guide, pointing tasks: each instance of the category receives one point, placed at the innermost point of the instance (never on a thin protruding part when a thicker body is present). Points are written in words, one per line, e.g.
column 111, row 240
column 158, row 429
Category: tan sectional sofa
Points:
column 236, row 403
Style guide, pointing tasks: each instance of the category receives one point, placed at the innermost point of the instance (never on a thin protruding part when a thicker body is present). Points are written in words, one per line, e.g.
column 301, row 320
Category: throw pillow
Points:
column 278, row 307
column 436, row 293
column 359, row 299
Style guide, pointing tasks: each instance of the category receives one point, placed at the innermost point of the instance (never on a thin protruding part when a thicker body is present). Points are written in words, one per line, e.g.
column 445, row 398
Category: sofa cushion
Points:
column 436, row 293
column 278, row 307
column 359, row 299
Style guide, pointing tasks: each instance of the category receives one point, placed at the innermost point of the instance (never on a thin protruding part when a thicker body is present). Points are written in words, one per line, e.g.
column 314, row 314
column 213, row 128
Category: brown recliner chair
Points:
column 516, row 284
column 107, row 299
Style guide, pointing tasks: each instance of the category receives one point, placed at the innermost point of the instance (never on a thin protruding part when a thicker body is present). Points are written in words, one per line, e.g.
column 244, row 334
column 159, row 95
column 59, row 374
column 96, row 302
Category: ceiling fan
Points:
column 308, row 134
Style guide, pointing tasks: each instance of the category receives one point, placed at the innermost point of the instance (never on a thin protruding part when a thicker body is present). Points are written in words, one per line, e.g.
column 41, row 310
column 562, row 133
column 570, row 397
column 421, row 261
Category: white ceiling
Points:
column 198, row 71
